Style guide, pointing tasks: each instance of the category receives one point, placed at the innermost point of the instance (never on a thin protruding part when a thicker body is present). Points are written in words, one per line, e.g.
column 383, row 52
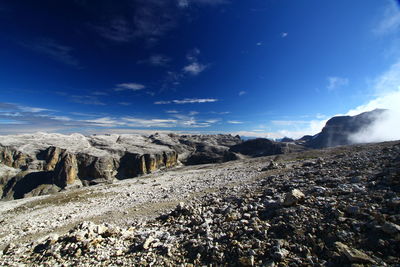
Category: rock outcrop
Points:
column 338, row 130
column 49, row 162
column 44, row 163
column 199, row 149
column 263, row 147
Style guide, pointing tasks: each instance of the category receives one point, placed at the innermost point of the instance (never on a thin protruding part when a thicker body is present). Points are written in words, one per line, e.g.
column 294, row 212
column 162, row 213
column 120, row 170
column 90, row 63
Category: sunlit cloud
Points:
column 235, row 122
column 129, row 86
column 336, row 82
column 157, row 60
column 194, row 68
column 187, row 101
column 390, row 23
column 87, row 100
column 124, row 103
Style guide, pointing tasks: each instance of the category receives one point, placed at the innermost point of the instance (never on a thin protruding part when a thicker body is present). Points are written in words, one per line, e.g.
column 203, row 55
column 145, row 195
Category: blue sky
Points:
column 257, row 68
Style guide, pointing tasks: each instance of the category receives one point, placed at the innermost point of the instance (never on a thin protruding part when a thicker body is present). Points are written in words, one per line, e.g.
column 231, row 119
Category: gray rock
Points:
column 353, row 255
column 391, row 228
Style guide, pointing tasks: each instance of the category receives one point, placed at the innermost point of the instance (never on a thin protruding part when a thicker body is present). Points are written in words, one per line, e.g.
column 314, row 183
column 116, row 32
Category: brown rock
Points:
column 52, row 158
column 66, row 170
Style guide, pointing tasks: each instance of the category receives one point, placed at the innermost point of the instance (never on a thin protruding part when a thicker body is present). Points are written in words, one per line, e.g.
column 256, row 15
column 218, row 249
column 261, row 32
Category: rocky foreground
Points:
column 332, row 207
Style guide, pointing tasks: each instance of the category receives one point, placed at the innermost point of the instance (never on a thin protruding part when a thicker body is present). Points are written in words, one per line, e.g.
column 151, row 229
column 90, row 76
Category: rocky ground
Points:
column 332, row 207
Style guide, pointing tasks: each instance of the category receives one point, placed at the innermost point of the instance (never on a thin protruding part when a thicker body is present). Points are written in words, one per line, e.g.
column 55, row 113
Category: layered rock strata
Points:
column 45, row 163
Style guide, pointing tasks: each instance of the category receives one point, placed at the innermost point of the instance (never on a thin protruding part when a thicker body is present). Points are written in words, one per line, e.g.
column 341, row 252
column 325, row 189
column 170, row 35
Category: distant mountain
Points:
column 338, row 129
column 264, row 147
column 286, row 140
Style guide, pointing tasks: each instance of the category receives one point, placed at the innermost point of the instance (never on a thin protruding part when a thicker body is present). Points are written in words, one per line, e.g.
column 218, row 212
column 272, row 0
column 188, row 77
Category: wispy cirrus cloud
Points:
column 235, row 122
column 242, row 93
column 87, row 100
column 11, row 107
column 194, row 68
column 148, row 20
column 54, row 50
column 187, row 3
column 156, row 60
column 124, row 103
column 390, row 21
column 129, row 86
column 99, row 93
column 335, row 82
column 187, row 101
column 22, row 119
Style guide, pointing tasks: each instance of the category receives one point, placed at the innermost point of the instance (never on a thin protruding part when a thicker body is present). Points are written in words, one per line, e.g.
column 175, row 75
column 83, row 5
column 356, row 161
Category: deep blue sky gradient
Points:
column 68, row 57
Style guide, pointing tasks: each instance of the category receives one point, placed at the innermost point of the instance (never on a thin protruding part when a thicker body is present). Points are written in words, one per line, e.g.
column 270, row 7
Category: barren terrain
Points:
column 331, row 207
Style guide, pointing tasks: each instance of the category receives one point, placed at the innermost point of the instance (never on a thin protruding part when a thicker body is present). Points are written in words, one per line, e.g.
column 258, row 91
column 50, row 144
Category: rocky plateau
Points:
column 330, row 207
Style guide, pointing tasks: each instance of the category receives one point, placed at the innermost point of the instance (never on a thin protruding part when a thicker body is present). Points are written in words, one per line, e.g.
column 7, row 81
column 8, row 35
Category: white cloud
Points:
column 124, row 103
column 220, row 113
column 387, row 96
column 139, row 122
column 187, row 3
column 172, row 111
column 193, row 54
column 242, row 93
column 194, row 68
column 336, row 82
column 157, row 60
column 187, row 101
column 129, row 86
column 32, row 109
column 212, row 121
column 390, row 23
column 104, row 122
column 235, row 122
column 386, row 88
column 284, row 34
column 259, row 44
column 99, row 93
column 87, row 100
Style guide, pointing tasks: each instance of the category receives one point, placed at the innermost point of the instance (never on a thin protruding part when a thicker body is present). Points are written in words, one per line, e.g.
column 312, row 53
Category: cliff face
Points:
column 30, row 168
column 338, row 129
column 263, row 147
column 199, row 149
column 45, row 163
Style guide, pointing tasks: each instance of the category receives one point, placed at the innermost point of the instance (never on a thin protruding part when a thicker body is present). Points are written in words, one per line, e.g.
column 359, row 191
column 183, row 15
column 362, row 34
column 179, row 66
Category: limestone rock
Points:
column 353, row 255
column 293, row 197
column 66, row 170
column 52, row 157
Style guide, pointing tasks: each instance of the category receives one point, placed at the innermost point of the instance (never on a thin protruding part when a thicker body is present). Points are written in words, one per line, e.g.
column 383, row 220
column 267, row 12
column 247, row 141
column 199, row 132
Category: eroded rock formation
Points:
column 44, row 163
